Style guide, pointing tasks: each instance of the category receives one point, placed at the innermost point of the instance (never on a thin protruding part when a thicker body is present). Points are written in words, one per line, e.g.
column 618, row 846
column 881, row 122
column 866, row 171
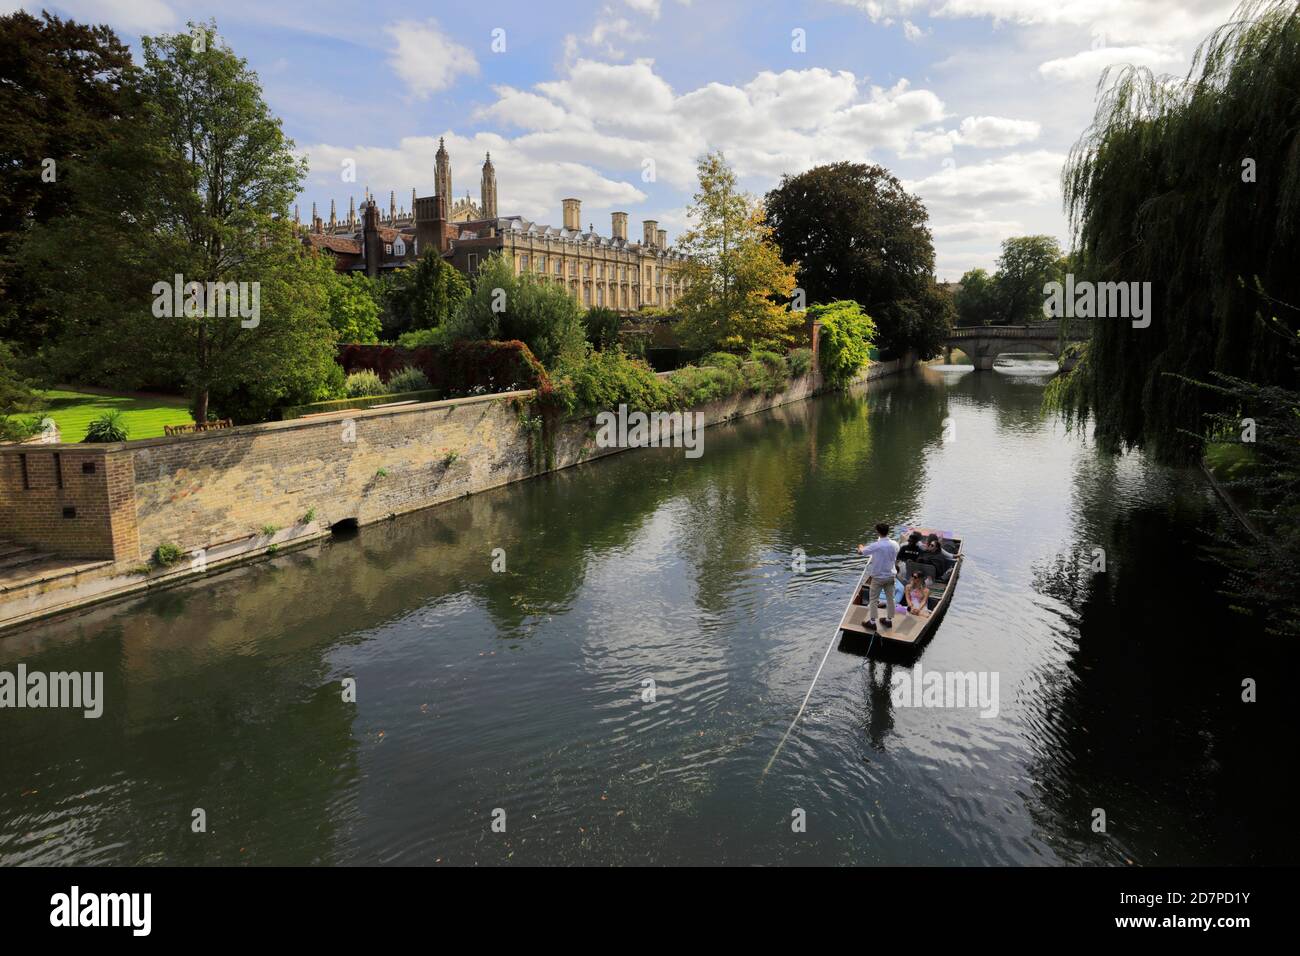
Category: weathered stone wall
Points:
column 233, row 493
column 365, row 465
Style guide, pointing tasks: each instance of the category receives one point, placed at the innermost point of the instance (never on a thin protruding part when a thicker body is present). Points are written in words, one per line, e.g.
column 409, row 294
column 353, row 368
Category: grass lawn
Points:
column 143, row 417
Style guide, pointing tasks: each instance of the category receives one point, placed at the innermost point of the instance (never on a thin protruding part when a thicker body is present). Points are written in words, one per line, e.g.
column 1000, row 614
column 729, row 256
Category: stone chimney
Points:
column 572, row 214
column 661, row 237
column 619, row 225
column 649, row 231
column 372, row 242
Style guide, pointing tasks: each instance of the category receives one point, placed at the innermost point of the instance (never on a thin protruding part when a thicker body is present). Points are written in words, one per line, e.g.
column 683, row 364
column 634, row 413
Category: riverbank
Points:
column 94, row 516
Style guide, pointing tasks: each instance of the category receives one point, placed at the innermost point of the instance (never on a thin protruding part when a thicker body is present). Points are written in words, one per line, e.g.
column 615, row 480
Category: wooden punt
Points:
column 910, row 631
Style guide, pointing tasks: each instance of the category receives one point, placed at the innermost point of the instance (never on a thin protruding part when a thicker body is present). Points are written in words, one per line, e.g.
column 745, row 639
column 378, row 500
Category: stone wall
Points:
column 231, row 494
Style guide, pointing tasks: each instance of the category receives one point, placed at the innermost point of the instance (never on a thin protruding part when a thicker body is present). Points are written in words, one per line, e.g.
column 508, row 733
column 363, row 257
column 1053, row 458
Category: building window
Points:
column 473, row 263
column 22, row 465
column 586, row 296
column 559, row 266
column 541, row 263
column 600, row 295
column 523, row 263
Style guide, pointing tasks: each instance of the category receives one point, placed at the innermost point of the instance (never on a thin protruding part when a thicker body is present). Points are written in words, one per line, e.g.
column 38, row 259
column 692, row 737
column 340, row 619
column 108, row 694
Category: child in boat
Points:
column 918, row 596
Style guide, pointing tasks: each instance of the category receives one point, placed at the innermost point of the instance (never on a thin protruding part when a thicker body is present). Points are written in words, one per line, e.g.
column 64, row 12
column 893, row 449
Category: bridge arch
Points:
column 984, row 343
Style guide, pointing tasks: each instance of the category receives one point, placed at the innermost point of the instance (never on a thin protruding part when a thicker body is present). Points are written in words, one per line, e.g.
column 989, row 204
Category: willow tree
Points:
column 1194, row 186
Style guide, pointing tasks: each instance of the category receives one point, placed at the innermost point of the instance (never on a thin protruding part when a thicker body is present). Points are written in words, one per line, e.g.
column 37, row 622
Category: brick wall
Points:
column 76, row 500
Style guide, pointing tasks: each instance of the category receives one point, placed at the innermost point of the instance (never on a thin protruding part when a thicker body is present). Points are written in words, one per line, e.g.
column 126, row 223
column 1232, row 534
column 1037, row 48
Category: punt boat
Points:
column 910, row 631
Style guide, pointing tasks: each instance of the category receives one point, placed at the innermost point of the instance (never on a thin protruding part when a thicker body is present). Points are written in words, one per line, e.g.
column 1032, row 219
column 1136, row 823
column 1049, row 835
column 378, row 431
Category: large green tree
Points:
column 424, row 295
column 1026, row 265
column 354, row 311
column 857, row 234
column 738, row 289
column 976, row 299
column 66, row 89
column 199, row 190
column 504, row 306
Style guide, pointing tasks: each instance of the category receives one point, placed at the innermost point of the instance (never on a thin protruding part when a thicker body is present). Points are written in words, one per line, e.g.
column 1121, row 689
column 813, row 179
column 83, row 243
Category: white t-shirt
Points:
column 884, row 556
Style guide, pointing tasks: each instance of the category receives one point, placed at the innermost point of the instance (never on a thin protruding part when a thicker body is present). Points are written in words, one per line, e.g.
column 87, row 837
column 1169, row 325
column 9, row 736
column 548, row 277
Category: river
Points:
column 521, row 696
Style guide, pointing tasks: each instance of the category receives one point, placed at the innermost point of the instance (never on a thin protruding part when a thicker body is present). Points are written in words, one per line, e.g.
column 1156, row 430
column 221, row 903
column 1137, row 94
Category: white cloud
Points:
column 1119, row 21
column 645, row 6
column 981, row 229
column 1032, row 178
column 606, row 34
column 991, row 132
column 1088, row 64
column 426, row 59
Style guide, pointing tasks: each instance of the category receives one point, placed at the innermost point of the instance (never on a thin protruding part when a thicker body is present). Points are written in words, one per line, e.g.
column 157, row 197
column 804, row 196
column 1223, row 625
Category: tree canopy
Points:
column 66, row 89
column 738, row 289
column 1194, row 186
column 856, row 233
column 424, row 295
column 199, row 189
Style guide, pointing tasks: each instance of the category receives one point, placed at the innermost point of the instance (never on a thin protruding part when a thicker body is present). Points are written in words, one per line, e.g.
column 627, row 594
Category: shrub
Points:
column 722, row 360
column 414, row 339
column 167, row 554
column 106, row 428
column 529, row 308
column 13, row 428
column 765, row 372
column 364, row 384
column 695, row 386
column 846, row 337
column 799, row 361
column 408, row 380
column 605, row 380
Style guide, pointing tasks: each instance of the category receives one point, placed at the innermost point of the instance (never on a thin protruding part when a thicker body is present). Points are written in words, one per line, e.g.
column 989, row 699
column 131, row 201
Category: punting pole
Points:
column 803, row 705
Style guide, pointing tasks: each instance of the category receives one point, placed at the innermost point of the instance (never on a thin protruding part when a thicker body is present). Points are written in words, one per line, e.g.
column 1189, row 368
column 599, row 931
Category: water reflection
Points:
column 526, row 689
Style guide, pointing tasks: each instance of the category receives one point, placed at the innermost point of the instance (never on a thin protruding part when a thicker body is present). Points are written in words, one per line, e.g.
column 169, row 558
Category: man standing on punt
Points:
column 883, row 555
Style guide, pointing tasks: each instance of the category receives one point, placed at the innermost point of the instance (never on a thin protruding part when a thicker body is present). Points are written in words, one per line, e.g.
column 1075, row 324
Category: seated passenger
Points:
column 935, row 554
column 918, row 596
column 912, row 551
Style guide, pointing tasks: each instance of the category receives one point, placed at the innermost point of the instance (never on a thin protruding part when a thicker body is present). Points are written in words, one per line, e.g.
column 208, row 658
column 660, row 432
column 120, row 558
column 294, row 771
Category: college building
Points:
column 611, row 271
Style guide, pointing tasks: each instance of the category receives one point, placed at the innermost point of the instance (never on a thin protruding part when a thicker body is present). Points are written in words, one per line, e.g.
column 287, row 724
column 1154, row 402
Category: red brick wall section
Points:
column 91, row 516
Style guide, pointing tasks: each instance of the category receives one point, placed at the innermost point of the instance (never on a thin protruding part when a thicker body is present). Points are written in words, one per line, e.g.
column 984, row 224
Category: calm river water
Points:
column 523, row 690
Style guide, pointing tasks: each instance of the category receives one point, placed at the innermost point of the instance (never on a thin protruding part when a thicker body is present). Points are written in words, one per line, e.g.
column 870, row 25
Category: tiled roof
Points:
column 334, row 243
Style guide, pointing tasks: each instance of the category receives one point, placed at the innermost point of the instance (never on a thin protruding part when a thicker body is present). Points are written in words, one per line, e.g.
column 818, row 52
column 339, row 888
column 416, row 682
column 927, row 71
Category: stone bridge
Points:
column 984, row 343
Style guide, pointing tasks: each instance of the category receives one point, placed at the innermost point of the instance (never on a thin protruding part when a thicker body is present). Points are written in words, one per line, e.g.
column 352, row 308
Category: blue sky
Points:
column 972, row 103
